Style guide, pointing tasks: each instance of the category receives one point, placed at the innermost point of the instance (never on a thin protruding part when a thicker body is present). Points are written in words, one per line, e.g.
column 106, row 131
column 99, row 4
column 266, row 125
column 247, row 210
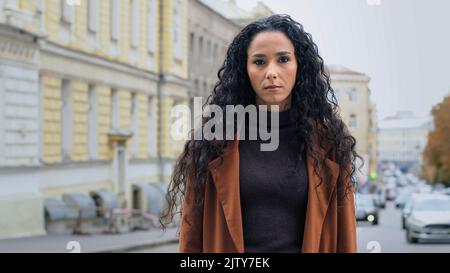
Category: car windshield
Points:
column 409, row 203
column 364, row 201
column 404, row 195
column 433, row 205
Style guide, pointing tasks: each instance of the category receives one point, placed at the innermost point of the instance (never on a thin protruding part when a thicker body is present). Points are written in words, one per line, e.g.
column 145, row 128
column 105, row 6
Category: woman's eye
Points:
column 284, row 59
column 259, row 62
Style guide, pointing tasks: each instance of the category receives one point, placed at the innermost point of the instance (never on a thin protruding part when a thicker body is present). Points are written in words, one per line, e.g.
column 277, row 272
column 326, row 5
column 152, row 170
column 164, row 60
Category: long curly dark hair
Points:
column 313, row 100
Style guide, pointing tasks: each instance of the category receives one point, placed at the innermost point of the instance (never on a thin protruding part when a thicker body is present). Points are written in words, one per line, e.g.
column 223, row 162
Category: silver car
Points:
column 429, row 219
column 407, row 208
column 366, row 209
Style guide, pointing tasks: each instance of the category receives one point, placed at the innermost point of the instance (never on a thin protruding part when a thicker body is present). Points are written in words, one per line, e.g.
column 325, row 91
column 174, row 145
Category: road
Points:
column 387, row 237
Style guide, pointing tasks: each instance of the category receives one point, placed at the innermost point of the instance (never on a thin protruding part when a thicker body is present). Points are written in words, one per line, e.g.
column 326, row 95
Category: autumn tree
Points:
column 436, row 168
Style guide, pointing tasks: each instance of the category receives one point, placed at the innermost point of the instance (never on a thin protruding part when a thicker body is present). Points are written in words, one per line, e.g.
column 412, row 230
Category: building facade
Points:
column 373, row 139
column 212, row 26
column 210, row 33
column 230, row 10
column 86, row 93
column 359, row 114
column 402, row 139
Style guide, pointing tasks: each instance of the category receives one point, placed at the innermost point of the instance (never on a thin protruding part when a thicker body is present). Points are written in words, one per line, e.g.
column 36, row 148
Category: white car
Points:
column 429, row 219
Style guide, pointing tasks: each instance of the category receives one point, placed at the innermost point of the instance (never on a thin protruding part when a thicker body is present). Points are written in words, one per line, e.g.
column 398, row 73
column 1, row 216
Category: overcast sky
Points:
column 403, row 45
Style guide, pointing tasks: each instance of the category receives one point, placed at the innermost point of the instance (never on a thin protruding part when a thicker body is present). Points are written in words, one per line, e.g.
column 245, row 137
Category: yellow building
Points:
column 373, row 139
column 359, row 114
column 89, row 94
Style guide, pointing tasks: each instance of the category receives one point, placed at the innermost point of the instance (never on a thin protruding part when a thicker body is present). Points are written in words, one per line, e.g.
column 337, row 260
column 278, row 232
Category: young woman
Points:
column 296, row 198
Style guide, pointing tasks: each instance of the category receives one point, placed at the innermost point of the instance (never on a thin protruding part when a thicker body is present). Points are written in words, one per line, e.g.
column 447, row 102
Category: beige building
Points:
column 86, row 93
column 229, row 9
column 210, row 33
column 212, row 26
column 87, row 89
column 373, row 139
column 402, row 139
column 353, row 95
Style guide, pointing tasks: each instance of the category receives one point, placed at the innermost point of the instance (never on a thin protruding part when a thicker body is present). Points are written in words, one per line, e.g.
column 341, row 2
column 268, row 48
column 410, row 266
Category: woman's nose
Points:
column 271, row 72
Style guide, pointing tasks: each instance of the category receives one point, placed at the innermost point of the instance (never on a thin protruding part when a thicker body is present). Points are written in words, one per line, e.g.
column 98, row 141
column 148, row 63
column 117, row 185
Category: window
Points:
column 134, row 23
column 352, row 94
column 66, row 19
column 115, row 20
column 215, row 57
column 215, row 50
column 114, row 109
column 208, row 49
column 40, row 11
column 92, row 126
column 200, row 46
column 352, row 121
column 196, row 87
column 191, row 43
column 152, row 15
column 336, row 94
column 134, row 124
column 66, row 120
column 177, row 30
column 152, row 126
column 191, row 108
column 12, row 5
column 93, row 11
column 66, row 11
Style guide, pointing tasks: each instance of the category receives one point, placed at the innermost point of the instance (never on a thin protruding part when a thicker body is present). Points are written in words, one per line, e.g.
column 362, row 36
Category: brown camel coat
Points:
column 219, row 228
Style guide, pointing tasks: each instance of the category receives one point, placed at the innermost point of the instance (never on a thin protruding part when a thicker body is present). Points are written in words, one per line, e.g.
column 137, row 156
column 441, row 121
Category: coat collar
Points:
column 226, row 181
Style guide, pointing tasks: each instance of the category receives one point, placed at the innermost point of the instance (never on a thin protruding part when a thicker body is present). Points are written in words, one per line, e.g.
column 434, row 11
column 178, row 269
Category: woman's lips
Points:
column 272, row 88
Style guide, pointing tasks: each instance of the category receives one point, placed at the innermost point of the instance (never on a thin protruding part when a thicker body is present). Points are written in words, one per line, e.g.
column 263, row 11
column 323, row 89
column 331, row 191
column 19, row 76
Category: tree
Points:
column 436, row 168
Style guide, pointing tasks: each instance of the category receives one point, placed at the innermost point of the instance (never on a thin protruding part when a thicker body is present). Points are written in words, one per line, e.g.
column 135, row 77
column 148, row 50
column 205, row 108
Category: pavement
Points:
column 94, row 243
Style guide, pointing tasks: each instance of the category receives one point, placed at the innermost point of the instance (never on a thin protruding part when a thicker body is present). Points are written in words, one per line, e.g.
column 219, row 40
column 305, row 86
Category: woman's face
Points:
column 272, row 69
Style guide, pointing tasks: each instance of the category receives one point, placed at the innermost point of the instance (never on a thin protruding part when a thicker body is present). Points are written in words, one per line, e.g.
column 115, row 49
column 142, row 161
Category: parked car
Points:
column 406, row 211
column 391, row 192
column 429, row 219
column 366, row 209
column 380, row 198
column 401, row 198
column 443, row 191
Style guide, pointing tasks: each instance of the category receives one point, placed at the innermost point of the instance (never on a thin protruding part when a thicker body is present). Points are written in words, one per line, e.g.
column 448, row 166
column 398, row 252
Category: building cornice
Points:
column 55, row 49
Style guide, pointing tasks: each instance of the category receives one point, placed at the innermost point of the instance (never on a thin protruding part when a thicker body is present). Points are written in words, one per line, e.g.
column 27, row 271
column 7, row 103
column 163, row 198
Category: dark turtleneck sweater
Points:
column 273, row 195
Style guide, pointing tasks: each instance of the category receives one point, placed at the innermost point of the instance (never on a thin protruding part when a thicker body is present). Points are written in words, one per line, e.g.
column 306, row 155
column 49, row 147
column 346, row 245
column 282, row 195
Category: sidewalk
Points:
column 123, row 242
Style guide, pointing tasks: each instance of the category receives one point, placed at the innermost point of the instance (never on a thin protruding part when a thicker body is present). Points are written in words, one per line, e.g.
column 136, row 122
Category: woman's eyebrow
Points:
column 279, row 53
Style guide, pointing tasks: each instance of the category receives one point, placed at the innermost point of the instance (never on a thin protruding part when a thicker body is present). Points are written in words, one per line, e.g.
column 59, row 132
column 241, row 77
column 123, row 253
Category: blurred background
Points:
column 87, row 88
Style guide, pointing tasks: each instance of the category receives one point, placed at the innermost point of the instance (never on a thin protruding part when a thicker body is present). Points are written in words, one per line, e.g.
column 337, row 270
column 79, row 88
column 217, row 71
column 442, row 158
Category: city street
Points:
column 390, row 237
column 387, row 237
column 108, row 109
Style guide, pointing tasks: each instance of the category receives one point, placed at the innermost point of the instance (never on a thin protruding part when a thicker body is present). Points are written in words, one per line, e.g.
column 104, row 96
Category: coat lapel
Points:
column 226, row 180
column 319, row 196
